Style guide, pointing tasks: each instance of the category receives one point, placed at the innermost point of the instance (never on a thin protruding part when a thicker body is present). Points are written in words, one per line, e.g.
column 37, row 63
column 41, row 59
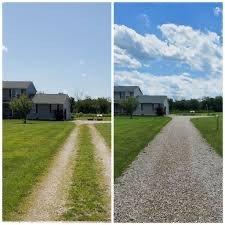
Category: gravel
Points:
column 176, row 178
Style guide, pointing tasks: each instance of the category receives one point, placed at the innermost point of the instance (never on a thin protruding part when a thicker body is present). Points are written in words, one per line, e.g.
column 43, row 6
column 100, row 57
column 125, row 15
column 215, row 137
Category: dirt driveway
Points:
column 48, row 201
column 176, row 178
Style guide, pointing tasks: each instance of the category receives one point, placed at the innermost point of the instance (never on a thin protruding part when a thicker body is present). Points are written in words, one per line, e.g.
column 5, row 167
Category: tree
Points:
column 89, row 105
column 129, row 105
column 72, row 104
column 22, row 106
column 171, row 104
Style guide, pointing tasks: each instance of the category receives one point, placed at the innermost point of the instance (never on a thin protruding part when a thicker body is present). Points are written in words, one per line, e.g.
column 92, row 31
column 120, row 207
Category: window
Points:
column 142, row 107
column 23, row 91
column 131, row 94
column 54, row 107
column 122, row 95
column 36, row 107
column 13, row 94
column 156, row 106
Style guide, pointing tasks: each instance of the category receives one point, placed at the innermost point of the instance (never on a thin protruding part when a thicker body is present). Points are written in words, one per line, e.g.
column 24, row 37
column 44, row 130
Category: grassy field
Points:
column 27, row 151
column 105, row 131
column 88, row 198
column 131, row 136
column 208, row 128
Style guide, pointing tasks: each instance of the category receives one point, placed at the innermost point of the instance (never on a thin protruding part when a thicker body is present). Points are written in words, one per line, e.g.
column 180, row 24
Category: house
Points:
column 13, row 89
column 122, row 93
column 50, row 107
column 148, row 104
column 45, row 106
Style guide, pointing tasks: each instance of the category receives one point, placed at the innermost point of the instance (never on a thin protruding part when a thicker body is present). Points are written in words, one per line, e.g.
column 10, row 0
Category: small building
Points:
column 50, row 107
column 148, row 104
column 13, row 89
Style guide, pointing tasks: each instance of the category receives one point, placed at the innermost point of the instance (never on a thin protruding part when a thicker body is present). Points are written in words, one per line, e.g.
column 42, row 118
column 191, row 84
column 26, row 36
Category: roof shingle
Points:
column 16, row 84
column 50, row 98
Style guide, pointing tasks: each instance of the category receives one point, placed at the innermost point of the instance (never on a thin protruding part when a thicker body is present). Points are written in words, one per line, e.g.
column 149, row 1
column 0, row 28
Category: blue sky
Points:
column 169, row 48
column 64, row 47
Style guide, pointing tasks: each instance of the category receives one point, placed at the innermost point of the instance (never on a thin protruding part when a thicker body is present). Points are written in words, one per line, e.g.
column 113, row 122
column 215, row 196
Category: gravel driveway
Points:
column 176, row 178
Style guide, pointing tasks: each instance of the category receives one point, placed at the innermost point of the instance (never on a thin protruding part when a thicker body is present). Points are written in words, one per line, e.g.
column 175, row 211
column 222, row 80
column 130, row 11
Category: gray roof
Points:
column 17, row 84
column 152, row 98
column 126, row 88
column 50, row 98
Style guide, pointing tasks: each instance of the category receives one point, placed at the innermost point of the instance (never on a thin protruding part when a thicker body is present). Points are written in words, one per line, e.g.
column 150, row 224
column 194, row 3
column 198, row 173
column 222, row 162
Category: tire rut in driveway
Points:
column 48, row 200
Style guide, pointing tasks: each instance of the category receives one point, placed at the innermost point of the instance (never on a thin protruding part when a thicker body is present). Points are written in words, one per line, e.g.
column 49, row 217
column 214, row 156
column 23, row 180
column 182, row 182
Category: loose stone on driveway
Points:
column 176, row 178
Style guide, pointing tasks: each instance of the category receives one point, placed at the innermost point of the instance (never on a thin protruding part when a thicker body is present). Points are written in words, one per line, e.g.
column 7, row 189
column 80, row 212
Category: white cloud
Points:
column 4, row 48
column 122, row 59
column 176, row 86
column 144, row 18
column 83, row 74
column 201, row 51
column 217, row 11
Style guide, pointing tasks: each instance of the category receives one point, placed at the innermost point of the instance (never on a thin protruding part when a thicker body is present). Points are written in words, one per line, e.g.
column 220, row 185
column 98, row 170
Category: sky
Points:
column 61, row 47
column 172, row 49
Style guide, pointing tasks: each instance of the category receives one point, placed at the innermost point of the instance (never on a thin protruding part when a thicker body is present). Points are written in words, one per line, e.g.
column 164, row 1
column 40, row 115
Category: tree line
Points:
column 89, row 105
column 205, row 104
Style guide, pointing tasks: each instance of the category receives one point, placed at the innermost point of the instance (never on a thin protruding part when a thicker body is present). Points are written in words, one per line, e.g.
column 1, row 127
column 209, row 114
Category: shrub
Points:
column 160, row 111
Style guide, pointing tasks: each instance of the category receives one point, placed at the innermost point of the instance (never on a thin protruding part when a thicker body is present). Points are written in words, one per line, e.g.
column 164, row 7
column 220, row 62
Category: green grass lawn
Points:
column 88, row 198
column 105, row 131
column 27, row 151
column 131, row 136
column 208, row 128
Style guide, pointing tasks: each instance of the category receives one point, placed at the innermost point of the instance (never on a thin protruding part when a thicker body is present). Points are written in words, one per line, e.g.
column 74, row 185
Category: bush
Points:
column 160, row 111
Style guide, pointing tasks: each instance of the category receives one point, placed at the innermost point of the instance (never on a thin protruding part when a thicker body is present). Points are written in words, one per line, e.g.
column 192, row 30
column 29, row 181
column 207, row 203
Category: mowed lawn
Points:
column 87, row 194
column 131, row 136
column 208, row 128
column 105, row 130
column 27, row 152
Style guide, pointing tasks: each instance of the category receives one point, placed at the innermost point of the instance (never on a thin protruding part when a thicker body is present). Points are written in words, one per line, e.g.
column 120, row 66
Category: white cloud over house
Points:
column 199, row 50
column 175, row 86
column 122, row 59
column 183, row 46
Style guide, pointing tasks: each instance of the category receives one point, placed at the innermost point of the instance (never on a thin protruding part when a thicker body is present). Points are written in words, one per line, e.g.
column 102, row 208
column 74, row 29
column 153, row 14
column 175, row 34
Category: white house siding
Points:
column 146, row 109
column 43, row 112
column 166, row 104
column 67, row 107
column 137, row 92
